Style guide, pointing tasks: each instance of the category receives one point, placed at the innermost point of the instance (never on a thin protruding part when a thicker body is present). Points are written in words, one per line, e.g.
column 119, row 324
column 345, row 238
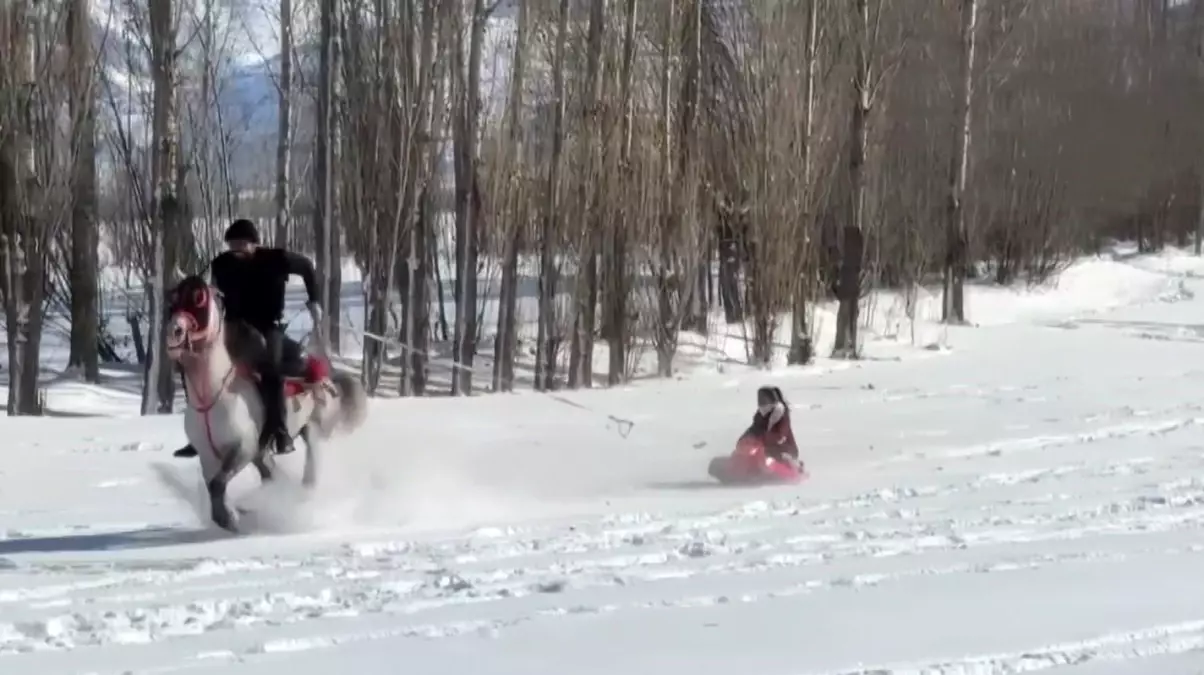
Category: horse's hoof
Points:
column 185, row 452
column 225, row 520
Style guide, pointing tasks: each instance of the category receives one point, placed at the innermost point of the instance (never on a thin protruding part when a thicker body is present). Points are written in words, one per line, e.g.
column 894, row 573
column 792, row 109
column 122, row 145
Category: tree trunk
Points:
column 1198, row 19
column 690, row 313
column 16, row 309
column 334, row 282
column 676, row 282
column 548, row 338
column 852, row 244
column 585, row 291
column 953, row 309
column 468, row 207
column 422, row 262
column 177, row 242
column 324, row 170
column 284, row 125
column 665, row 340
column 163, row 165
column 801, row 349
column 374, row 181
column 408, row 255
column 85, row 294
column 616, row 267
column 729, row 266
column 505, row 344
column 20, row 197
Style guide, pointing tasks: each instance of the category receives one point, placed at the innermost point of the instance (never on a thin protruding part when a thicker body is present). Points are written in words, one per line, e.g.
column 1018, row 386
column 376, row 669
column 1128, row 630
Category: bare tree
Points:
column 801, row 349
column 18, row 176
column 506, row 342
column 867, row 82
column 678, row 249
column 84, row 286
column 954, row 302
column 284, row 97
column 468, row 196
column 548, row 339
column 688, row 157
column 424, row 159
column 324, row 169
column 618, row 287
column 581, row 341
column 1198, row 20
column 155, row 397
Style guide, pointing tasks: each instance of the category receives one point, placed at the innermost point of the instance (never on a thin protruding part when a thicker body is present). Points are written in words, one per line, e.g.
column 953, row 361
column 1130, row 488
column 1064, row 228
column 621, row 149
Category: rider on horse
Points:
column 252, row 280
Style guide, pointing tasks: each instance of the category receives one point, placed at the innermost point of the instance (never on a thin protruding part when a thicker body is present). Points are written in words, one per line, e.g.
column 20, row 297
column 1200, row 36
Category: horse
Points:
column 224, row 416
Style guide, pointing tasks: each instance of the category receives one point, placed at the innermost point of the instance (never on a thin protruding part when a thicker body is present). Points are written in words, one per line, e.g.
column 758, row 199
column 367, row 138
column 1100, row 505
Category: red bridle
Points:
column 186, row 335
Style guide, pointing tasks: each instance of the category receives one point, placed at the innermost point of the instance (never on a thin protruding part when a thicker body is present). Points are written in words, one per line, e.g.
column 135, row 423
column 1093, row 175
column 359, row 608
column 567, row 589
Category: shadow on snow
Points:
column 142, row 538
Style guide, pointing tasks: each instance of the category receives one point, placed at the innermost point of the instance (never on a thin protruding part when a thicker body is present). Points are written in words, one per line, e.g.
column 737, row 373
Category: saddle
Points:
column 301, row 371
column 313, row 370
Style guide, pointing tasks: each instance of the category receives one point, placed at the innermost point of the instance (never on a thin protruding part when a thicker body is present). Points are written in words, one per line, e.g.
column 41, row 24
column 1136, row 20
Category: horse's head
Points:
column 193, row 318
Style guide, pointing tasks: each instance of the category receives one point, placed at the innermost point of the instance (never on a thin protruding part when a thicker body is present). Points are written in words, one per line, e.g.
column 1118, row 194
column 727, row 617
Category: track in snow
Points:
column 1081, row 514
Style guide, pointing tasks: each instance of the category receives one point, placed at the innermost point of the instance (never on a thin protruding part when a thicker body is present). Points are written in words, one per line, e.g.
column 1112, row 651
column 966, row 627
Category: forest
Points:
column 637, row 169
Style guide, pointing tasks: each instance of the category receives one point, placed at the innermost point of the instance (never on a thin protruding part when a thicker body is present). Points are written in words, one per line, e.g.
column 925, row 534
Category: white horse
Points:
column 225, row 413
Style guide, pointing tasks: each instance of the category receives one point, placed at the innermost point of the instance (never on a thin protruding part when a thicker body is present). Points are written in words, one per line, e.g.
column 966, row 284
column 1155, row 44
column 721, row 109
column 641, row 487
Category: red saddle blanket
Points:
column 316, row 369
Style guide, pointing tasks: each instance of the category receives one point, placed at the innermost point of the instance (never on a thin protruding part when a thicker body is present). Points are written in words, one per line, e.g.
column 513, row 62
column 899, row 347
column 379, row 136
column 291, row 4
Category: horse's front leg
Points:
column 233, row 461
column 265, row 464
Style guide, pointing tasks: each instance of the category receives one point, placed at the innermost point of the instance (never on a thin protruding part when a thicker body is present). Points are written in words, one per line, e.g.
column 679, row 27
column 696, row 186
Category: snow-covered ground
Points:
column 1030, row 498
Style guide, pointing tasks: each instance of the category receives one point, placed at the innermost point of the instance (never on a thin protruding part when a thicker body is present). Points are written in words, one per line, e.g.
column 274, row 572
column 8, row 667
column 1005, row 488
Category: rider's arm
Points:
column 302, row 267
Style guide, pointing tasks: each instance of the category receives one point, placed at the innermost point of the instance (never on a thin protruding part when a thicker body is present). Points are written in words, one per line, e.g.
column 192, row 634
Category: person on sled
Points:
column 771, row 424
column 252, row 280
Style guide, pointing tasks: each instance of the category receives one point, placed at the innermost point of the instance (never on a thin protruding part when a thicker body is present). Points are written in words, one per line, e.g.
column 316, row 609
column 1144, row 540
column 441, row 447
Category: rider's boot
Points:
column 274, row 422
column 284, row 442
column 275, row 416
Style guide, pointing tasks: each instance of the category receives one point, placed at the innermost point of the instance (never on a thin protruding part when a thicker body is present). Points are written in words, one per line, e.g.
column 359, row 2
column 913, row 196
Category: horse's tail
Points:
column 353, row 400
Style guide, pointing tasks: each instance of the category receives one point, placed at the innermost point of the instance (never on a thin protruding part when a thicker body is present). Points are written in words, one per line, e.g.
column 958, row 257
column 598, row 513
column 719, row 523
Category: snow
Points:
column 1028, row 498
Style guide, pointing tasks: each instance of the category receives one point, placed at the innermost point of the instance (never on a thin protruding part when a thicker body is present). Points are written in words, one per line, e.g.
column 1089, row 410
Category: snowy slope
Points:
column 1028, row 500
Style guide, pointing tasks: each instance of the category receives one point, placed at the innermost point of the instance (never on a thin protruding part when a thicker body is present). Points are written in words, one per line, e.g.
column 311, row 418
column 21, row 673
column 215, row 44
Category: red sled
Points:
column 749, row 465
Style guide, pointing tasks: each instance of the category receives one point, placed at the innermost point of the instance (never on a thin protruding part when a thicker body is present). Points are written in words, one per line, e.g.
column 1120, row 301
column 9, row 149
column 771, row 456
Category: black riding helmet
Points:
column 242, row 230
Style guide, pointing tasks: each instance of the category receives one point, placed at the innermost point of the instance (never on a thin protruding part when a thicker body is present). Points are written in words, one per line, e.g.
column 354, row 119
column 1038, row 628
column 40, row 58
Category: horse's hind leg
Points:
column 310, row 477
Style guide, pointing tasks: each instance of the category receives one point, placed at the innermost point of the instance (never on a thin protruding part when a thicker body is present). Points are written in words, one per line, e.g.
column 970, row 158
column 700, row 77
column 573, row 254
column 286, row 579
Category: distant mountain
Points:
column 247, row 103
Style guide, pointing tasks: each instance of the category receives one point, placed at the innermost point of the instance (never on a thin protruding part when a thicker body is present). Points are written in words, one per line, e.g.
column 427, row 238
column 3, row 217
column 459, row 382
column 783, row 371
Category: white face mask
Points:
column 765, row 409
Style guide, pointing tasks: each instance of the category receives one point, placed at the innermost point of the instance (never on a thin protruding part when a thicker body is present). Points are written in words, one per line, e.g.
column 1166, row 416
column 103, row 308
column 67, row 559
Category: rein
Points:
column 201, row 406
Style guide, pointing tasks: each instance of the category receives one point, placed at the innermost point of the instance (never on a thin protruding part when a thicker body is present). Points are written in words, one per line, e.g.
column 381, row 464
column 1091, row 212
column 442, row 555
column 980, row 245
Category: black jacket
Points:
column 253, row 287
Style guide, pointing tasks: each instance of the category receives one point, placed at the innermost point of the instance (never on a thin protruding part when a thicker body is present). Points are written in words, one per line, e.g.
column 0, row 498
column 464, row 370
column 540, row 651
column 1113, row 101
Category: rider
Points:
column 252, row 280
column 771, row 424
